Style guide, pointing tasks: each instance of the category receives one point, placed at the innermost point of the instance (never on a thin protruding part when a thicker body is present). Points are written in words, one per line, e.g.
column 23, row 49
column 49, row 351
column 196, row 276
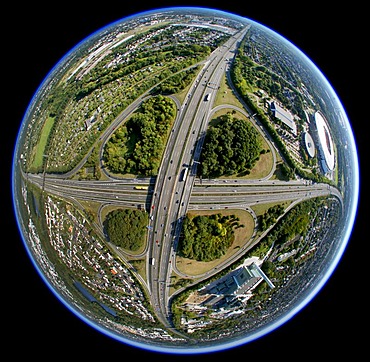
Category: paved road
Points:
column 206, row 195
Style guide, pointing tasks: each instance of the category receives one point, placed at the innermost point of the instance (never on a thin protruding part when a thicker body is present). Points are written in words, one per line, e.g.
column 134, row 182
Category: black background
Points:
column 36, row 37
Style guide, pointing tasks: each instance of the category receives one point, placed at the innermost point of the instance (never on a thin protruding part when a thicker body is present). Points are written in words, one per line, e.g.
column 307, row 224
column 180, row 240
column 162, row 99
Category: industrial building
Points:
column 226, row 290
column 284, row 116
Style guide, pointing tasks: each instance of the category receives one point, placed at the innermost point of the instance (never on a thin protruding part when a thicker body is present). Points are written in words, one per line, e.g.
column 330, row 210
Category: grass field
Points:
column 40, row 148
column 225, row 95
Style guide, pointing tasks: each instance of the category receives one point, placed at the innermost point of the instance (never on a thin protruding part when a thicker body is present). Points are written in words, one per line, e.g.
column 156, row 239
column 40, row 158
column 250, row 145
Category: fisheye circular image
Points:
column 185, row 180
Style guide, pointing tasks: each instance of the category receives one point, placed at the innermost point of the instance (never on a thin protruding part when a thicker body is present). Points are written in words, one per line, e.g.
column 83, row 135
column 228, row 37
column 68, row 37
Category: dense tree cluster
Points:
column 207, row 238
column 270, row 216
column 231, row 147
column 297, row 221
column 177, row 82
column 126, row 228
column 137, row 146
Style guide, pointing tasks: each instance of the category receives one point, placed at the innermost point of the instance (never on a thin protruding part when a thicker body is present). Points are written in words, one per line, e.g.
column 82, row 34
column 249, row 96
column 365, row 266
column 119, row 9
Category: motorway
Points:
column 171, row 194
column 209, row 194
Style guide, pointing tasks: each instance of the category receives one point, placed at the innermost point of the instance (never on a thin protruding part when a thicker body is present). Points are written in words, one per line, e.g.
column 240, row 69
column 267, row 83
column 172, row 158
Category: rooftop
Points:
column 284, row 116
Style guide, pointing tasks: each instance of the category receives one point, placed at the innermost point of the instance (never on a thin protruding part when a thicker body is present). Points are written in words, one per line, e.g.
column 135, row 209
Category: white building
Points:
column 284, row 116
column 325, row 146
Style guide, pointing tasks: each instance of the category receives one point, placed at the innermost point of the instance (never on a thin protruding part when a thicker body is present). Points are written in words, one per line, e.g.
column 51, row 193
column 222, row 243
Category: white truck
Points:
column 184, row 174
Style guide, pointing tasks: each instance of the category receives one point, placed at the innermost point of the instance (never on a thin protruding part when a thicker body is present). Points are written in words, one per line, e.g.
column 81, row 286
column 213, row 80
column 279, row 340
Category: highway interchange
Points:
column 170, row 196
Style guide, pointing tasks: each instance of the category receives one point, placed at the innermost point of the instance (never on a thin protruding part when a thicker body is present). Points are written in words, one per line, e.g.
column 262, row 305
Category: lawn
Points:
column 40, row 148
